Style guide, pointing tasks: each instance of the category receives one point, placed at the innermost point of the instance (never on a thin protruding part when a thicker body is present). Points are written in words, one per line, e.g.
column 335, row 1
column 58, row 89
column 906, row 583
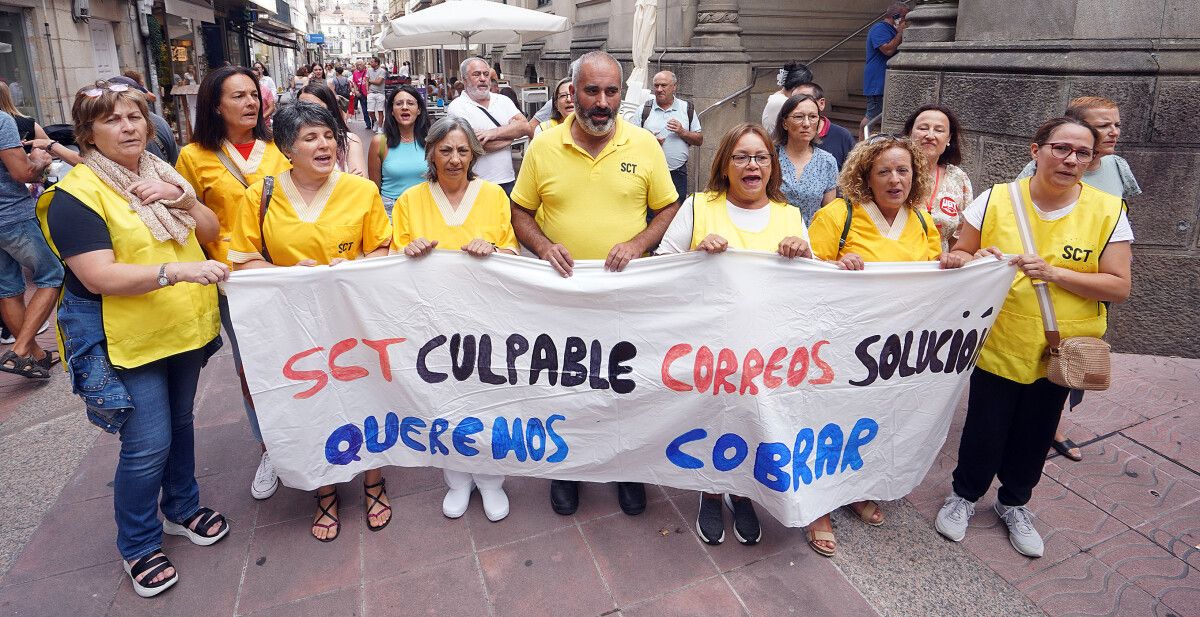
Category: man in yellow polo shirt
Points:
column 589, row 181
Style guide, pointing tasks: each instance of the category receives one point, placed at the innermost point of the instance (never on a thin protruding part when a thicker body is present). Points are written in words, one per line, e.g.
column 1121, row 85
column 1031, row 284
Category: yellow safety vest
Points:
column 1015, row 347
column 141, row 329
column 711, row 216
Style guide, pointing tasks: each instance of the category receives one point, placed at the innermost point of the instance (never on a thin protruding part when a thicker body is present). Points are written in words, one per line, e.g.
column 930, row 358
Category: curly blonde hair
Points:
column 853, row 179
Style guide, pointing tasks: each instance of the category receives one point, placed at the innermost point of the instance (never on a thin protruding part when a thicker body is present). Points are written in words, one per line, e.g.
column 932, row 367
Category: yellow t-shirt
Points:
column 424, row 212
column 590, row 204
column 345, row 219
column 871, row 237
column 219, row 190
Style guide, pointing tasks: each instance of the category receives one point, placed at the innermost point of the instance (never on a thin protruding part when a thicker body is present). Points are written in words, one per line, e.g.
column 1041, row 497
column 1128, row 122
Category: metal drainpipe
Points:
column 62, row 113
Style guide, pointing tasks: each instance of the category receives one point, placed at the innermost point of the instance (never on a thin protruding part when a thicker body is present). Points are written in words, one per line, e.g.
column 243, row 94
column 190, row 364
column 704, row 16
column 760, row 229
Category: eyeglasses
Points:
column 813, row 119
column 98, row 90
column 742, row 160
column 1061, row 151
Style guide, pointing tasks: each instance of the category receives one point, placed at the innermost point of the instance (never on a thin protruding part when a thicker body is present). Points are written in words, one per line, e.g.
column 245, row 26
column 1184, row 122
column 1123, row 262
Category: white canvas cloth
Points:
column 351, row 368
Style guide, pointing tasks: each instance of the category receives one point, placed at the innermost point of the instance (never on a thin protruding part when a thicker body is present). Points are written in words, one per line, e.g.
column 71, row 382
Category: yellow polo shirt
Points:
column 345, row 219
column 871, row 237
column 424, row 212
column 590, row 204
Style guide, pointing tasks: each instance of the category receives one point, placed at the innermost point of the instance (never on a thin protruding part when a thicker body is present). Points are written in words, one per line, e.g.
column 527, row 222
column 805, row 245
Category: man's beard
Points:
column 593, row 129
column 479, row 94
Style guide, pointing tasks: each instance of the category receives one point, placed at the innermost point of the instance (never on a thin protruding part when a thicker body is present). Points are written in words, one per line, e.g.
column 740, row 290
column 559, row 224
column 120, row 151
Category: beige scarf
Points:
column 167, row 220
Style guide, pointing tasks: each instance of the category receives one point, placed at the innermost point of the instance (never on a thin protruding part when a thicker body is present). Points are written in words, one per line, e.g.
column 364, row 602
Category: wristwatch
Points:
column 163, row 281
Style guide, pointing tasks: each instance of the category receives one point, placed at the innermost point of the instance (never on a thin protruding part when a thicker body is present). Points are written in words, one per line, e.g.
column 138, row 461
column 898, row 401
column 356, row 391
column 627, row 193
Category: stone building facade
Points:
column 1007, row 65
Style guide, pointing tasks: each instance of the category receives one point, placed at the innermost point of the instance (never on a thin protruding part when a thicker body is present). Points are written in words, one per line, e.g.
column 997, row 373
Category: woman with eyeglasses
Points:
column 563, row 106
column 396, row 159
column 315, row 215
column 742, row 208
column 880, row 218
column 137, row 320
column 1082, row 239
column 809, row 173
column 231, row 149
column 935, row 129
column 1107, row 172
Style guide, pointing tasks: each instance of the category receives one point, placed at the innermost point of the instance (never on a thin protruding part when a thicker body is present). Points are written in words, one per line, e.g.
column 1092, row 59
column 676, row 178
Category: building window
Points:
column 542, row 3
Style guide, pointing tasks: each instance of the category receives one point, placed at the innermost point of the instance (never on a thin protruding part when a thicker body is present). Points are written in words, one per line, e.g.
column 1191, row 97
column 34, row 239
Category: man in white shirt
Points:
column 376, row 75
column 496, row 120
column 675, row 124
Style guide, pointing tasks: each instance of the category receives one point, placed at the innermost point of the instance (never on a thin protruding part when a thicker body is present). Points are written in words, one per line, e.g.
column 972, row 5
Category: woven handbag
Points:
column 1077, row 362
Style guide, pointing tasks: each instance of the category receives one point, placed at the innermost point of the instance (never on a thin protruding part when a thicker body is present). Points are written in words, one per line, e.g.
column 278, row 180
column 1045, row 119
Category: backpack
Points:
column 341, row 86
column 687, row 105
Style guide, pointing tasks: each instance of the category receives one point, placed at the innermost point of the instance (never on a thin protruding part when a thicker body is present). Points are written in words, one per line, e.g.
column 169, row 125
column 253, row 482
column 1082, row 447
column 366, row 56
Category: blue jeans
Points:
column 679, row 179
column 247, row 403
column 362, row 102
column 157, row 452
column 874, row 106
column 22, row 244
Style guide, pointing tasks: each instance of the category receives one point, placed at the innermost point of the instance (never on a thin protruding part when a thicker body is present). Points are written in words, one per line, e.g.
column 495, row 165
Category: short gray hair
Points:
column 462, row 68
column 671, row 74
column 293, row 117
column 595, row 56
column 442, row 129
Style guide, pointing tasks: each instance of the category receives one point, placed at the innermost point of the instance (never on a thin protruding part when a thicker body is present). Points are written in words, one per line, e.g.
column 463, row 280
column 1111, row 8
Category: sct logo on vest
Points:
column 629, row 168
column 1076, row 254
column 345, row 246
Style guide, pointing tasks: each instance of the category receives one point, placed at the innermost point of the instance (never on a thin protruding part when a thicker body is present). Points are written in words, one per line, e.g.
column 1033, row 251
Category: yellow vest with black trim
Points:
column 710, row 215
column 141, row 329
column 1016, row 346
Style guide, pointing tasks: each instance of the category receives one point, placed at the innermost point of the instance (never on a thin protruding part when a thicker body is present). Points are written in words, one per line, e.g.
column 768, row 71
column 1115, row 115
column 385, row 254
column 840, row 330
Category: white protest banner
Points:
column 791, row 382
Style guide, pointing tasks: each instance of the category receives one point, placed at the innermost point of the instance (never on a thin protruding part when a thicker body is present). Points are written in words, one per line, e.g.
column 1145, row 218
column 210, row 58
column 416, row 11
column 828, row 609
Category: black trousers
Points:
column 1008, row 430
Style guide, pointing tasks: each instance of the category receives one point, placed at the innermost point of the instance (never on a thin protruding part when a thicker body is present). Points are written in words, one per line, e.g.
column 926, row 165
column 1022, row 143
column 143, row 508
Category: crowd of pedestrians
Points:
column 136, row 241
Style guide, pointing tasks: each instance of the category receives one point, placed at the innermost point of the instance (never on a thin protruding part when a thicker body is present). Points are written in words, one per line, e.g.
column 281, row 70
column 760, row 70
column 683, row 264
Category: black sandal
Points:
column 377, row 499
column 336, row 525
column 25, row 366
column 1064, row 448
column 195, row 528
column 150, row 566
column 49, row 360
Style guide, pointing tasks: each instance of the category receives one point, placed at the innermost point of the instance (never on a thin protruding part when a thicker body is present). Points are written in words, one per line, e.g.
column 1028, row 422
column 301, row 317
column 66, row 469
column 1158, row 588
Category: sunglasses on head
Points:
column 98, row 90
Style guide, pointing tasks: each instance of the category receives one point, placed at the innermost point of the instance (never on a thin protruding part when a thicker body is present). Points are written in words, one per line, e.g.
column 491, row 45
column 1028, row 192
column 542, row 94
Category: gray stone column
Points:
column 717, row 24
column 1012, row 64
column 932, row 21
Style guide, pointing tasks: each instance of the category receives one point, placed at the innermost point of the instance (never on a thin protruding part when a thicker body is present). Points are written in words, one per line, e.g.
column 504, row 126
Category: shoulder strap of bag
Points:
column 237, row 173
column 846, row 228
column 691, row 113
column 646, row 111
column 263, row 204
column 920, row 217
column 489, row 115
column 1049, row 319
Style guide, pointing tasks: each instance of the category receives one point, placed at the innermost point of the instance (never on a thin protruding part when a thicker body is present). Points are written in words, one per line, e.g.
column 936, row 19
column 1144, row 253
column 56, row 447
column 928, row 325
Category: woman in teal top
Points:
column 396, row 159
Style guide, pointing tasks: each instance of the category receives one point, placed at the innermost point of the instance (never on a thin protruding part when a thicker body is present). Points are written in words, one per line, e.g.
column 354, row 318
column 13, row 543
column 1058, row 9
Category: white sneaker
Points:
column 495, row 503
column 266, row 481
column 952, row 519
column 457, row 499
column 45, row 326
column 1021, row 533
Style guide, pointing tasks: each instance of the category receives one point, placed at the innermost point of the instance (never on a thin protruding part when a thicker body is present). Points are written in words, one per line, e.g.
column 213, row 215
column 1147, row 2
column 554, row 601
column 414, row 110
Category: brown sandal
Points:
column 816, row 535
column 868, row 513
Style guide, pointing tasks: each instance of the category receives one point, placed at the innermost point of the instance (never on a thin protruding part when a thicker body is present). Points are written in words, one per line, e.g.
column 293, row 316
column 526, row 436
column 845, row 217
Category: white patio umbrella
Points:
column 387, row 40
column 645, row 14
column 472, row 22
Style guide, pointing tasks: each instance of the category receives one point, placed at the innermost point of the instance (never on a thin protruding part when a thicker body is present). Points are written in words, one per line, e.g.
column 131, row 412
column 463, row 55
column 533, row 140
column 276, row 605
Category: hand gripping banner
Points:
column 793, row 383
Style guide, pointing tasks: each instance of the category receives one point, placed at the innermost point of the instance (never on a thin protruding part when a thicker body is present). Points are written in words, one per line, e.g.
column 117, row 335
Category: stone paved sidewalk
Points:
column 1122, row 530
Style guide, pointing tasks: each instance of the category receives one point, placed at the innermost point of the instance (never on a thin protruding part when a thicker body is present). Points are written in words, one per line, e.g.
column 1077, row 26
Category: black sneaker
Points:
column 745, row 521
column 6, row 337
column 710, row 521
